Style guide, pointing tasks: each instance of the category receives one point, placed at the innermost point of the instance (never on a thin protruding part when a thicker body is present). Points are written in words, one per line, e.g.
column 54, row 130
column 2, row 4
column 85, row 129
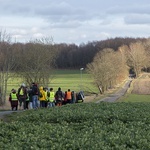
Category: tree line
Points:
column 35, row 60
column 73, row 56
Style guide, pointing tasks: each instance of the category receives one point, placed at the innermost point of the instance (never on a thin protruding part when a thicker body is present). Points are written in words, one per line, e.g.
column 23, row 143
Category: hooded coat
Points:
column 43, row 94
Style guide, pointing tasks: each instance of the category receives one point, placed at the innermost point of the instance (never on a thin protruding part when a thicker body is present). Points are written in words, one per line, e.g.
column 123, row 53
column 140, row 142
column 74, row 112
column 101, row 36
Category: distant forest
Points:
column 73, row 56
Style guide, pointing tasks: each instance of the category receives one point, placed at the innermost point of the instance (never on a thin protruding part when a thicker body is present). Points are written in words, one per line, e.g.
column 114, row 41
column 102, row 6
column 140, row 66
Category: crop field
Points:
column 66, row 79
column 106, row 126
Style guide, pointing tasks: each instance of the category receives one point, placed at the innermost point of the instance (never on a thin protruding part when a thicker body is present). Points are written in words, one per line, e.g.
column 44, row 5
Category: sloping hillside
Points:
column 142, row 84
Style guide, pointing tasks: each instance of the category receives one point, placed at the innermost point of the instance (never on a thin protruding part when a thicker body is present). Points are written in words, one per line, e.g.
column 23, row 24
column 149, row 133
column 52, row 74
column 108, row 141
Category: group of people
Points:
column 39, row 97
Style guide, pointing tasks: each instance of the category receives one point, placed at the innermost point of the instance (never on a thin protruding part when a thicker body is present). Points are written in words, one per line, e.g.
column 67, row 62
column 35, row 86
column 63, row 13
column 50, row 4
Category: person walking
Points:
column 30, row 97
column 42, row 97
column 51, row 98
column 73, row 97
column 65, row 98
column 59, row 97
column 13, row 98
column 35, row 94
column 22, row 95
column 27, row 102
column 46, row 94
column 69, row 96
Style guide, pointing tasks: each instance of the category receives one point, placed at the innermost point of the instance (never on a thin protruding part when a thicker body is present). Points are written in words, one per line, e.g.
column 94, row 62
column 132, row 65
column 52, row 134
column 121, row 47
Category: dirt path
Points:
column 7, row 112
column 118, row 94
column 2, row 113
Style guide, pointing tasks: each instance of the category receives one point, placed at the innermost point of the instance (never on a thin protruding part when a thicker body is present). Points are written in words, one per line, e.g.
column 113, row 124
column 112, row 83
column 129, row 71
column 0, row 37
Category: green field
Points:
column 66, row 79
column 85, row 126
column 135, row 98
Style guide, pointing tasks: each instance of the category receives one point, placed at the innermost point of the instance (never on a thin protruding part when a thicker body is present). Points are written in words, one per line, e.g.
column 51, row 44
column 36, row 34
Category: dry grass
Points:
column 6, row 106
column 142, row 85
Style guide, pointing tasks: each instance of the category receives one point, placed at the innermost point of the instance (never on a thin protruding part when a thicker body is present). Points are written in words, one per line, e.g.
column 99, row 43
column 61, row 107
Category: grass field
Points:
column 66, row 79
column 135, row 98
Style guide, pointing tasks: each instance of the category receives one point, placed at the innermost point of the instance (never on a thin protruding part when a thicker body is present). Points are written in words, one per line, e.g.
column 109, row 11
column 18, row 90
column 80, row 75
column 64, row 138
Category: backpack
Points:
column 35, row 90
column 59, row 95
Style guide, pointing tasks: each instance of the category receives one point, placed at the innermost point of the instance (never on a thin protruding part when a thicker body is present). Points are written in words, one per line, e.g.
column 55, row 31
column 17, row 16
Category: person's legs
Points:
column 53, row 104
column 16, row 107
column 40, row 104
column 50, row 104
column 27, row 104
column 60, row 103
column 24, row 103
column 34, row 101
column 13, row 105
column 30, row 104
column 73, row 100
column 69, row 101
column 20, row 103
column 57, row 102
column 43, row 104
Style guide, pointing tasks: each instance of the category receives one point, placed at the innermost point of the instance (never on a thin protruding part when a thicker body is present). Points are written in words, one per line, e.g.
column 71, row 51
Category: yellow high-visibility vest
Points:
column 21, row 92
column 14, row 97
column 52, row 96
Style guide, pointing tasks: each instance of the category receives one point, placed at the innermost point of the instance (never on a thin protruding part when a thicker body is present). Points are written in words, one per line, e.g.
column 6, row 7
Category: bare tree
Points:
column 106, row 68
column 136, row 56
column 7, row 63
column 36, row 62
column 147, row 49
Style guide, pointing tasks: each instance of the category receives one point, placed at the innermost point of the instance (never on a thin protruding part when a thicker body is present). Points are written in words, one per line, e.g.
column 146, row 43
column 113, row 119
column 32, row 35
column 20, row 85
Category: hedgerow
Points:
column 105, row 126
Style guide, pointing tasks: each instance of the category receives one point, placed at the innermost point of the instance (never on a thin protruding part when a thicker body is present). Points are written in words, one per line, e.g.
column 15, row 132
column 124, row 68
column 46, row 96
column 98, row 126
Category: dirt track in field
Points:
column 140, row 86
column 115, row 96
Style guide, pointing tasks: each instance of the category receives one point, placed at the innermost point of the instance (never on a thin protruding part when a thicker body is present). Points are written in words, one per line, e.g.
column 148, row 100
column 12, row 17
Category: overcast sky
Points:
column 75, row 21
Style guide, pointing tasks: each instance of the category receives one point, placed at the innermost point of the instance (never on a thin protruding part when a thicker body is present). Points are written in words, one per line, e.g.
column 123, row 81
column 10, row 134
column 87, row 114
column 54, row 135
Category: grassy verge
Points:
column 135, row 98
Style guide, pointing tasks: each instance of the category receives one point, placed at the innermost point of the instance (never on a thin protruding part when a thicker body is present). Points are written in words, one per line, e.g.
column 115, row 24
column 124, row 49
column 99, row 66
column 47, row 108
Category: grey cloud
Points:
column 69, row 24
column 61, row 13
column 137, row 19
column 137, row 9
column 54, row 8
column 51, row 11
column 85, row 18
column 10, row 9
